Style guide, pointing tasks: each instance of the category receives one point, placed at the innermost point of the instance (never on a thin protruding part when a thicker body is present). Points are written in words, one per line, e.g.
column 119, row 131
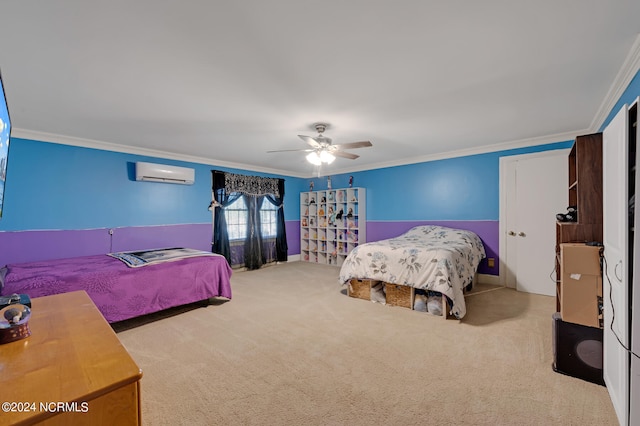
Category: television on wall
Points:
column 5, row 132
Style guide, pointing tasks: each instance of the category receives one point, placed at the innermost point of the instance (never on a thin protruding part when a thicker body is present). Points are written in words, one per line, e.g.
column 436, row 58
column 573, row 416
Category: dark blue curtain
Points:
column 253, row 257
column 221, row 200
column 281, row 232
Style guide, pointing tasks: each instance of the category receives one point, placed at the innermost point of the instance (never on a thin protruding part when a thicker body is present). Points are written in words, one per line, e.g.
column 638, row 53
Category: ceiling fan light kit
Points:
column 323, row 156
column 322, row 151
column 314, row 158
column 327, row 157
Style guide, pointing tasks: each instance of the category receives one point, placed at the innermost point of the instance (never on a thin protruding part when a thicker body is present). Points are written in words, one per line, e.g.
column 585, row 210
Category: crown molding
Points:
column 107, row 146
column 629, row 69
column 503, row 146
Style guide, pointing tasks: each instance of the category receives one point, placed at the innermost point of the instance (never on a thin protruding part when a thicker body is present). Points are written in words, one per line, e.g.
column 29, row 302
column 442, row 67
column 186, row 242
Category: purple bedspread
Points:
column 121, row 292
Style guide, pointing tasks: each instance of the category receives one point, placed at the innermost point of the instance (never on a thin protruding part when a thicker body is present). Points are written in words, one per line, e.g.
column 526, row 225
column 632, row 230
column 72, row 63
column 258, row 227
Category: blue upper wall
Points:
column 463, row 188
column 55, row 186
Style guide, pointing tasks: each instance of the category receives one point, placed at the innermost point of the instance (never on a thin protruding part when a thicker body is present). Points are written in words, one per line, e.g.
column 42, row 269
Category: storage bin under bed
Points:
column 361, row 289
column 395, row 294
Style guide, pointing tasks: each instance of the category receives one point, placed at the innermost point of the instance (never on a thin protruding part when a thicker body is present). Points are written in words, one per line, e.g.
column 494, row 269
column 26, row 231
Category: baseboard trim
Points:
column 489, row 279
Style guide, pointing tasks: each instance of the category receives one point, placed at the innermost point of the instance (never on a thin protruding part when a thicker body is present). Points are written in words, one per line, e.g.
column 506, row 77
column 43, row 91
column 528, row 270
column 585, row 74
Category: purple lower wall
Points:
column 196, row 236
column 293, row 237
column 30, row 246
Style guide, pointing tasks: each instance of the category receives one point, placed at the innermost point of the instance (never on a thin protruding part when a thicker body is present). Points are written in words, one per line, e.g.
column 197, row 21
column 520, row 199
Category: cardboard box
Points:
column 581, row 284
column 579, row 299
column 579, row 258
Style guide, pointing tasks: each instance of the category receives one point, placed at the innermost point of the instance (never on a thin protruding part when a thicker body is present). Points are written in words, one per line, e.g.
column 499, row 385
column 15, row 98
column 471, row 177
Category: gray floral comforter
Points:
column 426, row 257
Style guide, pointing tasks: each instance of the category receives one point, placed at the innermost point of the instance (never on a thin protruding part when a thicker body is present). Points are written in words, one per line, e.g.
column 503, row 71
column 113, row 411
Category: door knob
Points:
column 512, row 233
column 522, row 234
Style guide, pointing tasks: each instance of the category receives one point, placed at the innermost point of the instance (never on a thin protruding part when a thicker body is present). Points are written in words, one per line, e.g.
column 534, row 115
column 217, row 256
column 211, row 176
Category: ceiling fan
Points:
column 322, row 150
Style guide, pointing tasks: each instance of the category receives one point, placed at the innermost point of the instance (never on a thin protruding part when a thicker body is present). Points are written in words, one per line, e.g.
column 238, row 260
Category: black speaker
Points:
column 577, row 350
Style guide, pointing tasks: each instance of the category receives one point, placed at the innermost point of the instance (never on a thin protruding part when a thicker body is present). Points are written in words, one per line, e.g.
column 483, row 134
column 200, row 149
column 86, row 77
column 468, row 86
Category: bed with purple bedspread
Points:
column 119, row 291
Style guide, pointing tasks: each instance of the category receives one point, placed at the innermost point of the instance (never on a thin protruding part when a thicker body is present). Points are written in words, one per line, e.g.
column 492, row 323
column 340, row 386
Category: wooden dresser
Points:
column 72, row 370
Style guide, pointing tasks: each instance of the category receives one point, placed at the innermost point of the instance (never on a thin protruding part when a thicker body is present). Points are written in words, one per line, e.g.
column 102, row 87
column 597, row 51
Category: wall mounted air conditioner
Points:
column 164, row 173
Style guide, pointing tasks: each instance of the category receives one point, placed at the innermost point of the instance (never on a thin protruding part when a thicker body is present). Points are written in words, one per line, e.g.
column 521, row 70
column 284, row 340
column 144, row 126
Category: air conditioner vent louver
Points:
column 164, row 173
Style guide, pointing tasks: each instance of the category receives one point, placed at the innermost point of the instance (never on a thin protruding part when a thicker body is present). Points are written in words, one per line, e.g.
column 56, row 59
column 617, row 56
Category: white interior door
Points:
column 615, row 281
column 535, row 190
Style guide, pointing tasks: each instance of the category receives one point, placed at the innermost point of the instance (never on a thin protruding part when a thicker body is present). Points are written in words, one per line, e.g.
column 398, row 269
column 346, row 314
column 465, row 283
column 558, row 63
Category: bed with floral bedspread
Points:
column 433, row 258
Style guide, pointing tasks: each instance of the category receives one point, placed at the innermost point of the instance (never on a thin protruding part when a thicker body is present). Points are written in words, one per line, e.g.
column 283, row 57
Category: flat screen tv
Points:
column 5, row 132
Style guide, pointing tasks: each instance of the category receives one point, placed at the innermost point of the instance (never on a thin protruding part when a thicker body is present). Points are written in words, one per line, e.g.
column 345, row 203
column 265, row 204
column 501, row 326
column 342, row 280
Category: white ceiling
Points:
column 222, row 82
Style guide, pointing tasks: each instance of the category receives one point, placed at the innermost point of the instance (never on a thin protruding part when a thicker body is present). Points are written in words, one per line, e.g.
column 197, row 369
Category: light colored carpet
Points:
column 291, row 348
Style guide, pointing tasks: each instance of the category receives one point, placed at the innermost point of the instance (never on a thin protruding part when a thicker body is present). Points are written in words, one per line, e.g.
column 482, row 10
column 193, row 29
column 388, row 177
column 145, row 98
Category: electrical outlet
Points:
column 491, row 262
column 110, row 231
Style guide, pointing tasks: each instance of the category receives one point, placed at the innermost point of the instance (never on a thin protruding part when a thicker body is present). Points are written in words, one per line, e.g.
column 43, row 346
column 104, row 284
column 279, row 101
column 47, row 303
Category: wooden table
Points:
column 71, row 370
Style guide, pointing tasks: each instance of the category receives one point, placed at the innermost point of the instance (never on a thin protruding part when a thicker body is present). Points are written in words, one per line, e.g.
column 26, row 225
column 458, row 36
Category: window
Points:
column 268, row 219
column 236, row 216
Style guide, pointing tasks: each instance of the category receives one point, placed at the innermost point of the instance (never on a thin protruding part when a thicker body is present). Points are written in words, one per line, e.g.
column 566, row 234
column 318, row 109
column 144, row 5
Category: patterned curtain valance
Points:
column 250, row 185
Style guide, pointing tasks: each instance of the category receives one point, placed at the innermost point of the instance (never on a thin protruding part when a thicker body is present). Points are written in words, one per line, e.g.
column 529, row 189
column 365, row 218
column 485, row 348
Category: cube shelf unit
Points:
column 325, row 238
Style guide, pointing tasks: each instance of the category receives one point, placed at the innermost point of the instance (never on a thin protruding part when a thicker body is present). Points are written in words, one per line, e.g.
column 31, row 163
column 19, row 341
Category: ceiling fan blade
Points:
column 352, row 145
column 345, row 155
column 310, row 141
column 291, row 150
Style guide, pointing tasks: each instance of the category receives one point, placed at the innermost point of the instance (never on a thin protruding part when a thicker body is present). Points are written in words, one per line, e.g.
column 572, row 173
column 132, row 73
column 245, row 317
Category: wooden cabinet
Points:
column 585, row 193
column 71, row 370
column 332, row 223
